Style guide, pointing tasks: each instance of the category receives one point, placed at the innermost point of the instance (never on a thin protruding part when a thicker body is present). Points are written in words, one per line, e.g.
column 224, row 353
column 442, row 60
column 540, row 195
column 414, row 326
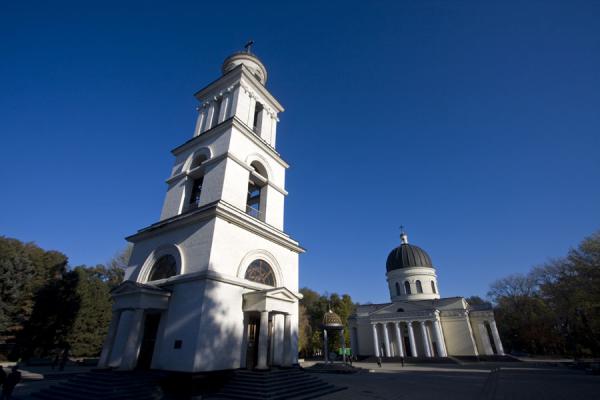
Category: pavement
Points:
column 36, row 378
column 471, row 381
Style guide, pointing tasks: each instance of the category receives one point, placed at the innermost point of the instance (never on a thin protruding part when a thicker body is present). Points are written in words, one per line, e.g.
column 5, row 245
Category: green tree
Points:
column 24, row 269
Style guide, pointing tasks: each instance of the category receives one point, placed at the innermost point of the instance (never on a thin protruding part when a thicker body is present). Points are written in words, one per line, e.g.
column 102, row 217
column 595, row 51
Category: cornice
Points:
column 226, row 212
column 233, row 77
column 223, row 127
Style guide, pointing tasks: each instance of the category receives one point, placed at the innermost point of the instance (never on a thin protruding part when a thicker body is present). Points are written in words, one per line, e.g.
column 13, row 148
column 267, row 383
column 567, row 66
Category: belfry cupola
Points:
column 410, row 273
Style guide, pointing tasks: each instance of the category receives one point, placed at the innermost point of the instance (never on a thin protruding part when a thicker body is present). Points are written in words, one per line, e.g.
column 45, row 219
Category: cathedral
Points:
column 418, row 322
column 213, row 285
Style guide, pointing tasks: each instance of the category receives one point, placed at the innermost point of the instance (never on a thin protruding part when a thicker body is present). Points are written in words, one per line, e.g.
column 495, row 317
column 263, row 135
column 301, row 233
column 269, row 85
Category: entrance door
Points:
column 148, row 341
column 252, row 348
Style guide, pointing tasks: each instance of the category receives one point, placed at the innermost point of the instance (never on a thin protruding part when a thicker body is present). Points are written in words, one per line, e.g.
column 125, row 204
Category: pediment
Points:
column 281, row 293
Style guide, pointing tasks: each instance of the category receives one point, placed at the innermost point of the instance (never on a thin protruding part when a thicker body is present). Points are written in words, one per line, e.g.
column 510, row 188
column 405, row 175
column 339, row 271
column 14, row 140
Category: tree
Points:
column 316, row 305
column 555, row 308
column 24, row 269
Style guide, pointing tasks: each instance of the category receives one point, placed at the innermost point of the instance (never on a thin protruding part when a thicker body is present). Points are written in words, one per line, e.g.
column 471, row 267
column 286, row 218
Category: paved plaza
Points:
column 470, row 381
column 486, row 381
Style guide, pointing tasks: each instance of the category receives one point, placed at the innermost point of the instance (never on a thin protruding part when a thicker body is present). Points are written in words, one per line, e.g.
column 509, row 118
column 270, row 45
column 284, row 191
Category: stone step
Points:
column 279, row 389
column 275, row 381
column 106, row 385
column 274, row 385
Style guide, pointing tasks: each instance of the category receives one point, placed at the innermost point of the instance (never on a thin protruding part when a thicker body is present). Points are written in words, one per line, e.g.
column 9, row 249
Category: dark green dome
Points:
column 407, row 256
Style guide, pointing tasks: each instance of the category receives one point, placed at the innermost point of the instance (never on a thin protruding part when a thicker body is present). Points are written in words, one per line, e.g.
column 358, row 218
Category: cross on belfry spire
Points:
column 248, row 46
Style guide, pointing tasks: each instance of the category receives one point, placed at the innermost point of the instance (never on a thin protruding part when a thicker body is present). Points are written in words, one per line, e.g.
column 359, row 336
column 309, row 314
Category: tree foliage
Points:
column 46, row 306
column 555, row 308
column 312, row 308
column 24, row 269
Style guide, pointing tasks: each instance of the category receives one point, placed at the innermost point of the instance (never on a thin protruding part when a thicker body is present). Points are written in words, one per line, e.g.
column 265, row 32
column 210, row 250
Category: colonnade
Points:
column 430, row 331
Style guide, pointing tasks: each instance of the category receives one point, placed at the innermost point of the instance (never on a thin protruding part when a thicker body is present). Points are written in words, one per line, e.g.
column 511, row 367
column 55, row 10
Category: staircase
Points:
column 106, row 385
column 276, row 384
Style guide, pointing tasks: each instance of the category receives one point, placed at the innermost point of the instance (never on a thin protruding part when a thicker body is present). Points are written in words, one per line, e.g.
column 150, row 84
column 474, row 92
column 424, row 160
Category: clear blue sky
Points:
column 475, row 124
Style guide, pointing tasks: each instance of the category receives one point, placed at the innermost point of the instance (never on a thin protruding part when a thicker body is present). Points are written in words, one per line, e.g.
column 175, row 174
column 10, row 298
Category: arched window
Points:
column 196, row 176
column 397, row 289
column 407, row 287
column 260, row 271
column 163, row 268
column 419, row 287
column 433, row 287
column 256, row 200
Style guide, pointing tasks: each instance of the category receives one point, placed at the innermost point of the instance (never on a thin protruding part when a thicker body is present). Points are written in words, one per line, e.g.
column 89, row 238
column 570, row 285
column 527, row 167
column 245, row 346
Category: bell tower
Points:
column 217, row 274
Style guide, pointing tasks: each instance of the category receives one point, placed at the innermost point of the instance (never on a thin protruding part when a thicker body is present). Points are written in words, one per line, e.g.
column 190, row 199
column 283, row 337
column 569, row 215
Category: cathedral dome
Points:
column 407, row 256
column 249, row 60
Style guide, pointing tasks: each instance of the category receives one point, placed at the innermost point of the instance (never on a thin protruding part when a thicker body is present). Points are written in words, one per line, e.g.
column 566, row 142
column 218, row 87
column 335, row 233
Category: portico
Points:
column 267, row 328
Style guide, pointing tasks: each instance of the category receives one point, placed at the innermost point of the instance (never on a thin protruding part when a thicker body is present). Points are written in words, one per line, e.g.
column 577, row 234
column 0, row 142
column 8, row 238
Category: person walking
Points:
column 65, row 357
column 11, row 381
column 402, row 360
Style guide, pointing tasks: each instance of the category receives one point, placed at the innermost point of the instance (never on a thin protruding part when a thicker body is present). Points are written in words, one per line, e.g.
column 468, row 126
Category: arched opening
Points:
column 196, row 178
column 163, row 268
column 419, row 287
column 400, row 310
column 257, row 119
column 398, row 289
column 256, row 199
column 261, row 272
column 433, row 290
column 407, row 287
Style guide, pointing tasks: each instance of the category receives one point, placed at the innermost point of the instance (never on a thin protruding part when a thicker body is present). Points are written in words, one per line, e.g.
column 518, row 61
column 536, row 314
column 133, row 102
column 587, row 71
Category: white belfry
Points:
column 213, row 285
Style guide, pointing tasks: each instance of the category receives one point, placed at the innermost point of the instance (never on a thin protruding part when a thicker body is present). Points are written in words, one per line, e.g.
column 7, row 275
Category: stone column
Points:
column 273, row 130
column 251, row 108
column 375, row 340
column 411, row 339
column 225, row 100
column 287, row 341
column 263, row 341
column 425, row 338
column 110, row 340
column 439, row 339
column 386, row 340
column 209, row 121
column 200, row 120
column 278, row 339
column 399, row 339
column 496, row 337
column 325, row 346
column 132, row 345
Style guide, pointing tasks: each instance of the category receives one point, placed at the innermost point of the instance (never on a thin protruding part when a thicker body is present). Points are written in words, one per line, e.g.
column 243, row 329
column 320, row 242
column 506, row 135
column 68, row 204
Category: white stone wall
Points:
column 459, row 341
column 425, row 275
column 234, row 248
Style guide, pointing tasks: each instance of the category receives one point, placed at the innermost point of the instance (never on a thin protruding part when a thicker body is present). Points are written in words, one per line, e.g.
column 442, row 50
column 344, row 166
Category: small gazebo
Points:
column 331, row 322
